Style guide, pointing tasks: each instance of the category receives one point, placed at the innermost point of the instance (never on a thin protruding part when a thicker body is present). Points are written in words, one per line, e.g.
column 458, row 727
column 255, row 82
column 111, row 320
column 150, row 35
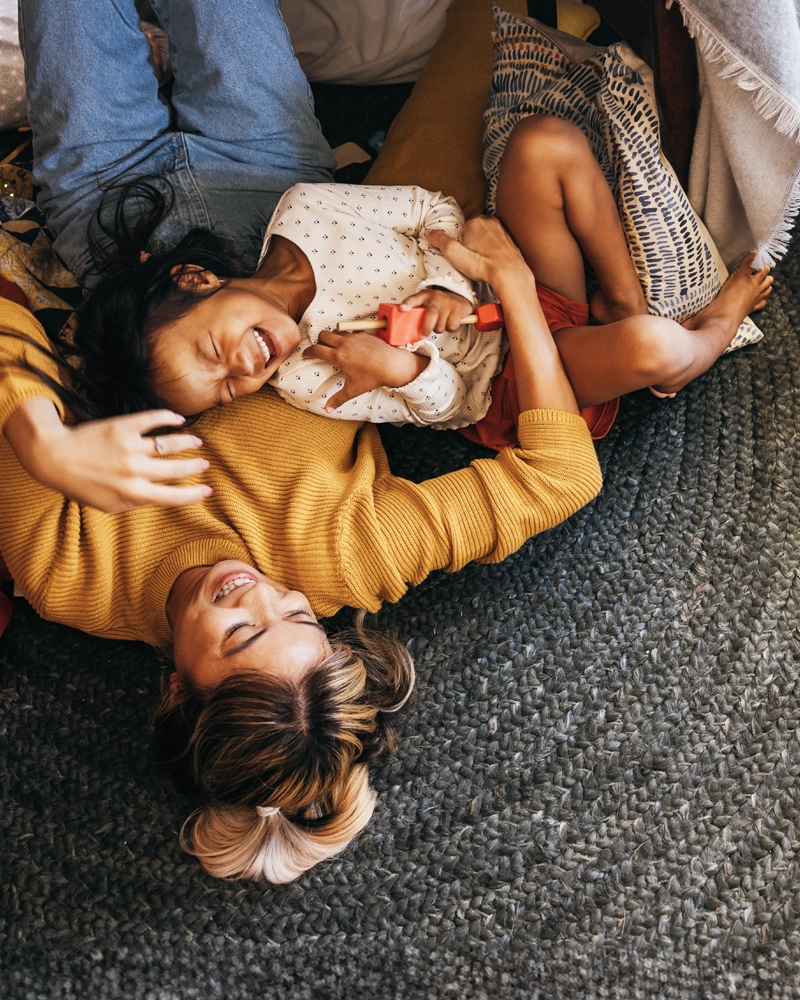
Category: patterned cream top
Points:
column 366, row 245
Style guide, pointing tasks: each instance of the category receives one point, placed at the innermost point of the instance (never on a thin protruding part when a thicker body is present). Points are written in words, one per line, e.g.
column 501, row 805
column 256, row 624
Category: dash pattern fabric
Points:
column 608, row 94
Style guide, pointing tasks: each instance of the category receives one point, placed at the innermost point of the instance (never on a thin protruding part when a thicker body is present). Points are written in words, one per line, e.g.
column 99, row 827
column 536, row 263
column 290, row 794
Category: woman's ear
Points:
column 193, row 278
column 176, row 687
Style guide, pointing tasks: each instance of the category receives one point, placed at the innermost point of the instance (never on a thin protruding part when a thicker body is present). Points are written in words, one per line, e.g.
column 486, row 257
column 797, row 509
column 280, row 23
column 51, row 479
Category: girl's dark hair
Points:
column 108, row 369
column 299, row 747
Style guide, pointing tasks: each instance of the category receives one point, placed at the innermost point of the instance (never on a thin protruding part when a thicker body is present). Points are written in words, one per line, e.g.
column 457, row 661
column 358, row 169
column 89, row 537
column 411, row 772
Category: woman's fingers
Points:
column 170, row 444
column 176, row 468
column 149, row 420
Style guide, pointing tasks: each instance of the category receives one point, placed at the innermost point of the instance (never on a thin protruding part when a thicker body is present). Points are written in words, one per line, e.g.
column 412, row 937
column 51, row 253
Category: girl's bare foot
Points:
column 744, row 292
column 606, row 308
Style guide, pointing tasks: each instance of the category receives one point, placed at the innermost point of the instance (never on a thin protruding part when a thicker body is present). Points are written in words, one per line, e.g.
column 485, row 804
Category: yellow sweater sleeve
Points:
column 489, row 509
column 23, row 339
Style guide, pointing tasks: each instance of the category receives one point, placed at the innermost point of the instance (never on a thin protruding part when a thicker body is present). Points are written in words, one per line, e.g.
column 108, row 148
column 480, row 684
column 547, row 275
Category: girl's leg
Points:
column 244, row 108
column 555, row 202
column 93, row 105
column 603, row 362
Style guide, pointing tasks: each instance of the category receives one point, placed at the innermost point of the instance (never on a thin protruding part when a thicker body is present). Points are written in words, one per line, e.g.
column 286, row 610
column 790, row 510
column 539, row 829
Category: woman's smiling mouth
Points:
column 231, row 582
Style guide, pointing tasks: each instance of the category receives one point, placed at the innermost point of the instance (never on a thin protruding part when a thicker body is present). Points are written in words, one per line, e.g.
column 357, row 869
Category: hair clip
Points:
column 266, row 811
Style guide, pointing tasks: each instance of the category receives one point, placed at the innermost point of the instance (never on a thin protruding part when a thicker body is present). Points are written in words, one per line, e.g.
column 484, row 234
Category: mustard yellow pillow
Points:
column 577, row 19
column 436, row 141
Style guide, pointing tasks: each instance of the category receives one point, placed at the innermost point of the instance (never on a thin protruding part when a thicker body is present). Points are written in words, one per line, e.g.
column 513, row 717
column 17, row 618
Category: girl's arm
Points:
column 357, row 376
column 106, row 464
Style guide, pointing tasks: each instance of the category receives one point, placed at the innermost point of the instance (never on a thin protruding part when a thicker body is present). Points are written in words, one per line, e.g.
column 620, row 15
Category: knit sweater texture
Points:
column 308, row 501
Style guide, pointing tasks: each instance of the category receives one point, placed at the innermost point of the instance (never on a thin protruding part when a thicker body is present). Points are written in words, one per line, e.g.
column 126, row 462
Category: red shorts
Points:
column 498, row 429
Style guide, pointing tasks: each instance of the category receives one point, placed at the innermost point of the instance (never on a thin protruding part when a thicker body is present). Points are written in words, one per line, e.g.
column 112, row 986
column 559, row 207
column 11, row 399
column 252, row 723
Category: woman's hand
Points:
column 443, row 310
column 366, row 362
column 107, row 464
column 485, row 252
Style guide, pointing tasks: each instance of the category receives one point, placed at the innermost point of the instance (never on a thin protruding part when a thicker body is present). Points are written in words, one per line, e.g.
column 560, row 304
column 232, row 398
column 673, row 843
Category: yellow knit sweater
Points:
column 308, row 501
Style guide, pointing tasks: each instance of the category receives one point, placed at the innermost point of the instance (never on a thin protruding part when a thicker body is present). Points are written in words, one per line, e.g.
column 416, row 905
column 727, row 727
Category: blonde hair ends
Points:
column 302, row 749
column 235, row 842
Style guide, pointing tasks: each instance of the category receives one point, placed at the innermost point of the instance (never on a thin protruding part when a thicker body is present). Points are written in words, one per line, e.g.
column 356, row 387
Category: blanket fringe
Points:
column 769, row 101
column 775, row 244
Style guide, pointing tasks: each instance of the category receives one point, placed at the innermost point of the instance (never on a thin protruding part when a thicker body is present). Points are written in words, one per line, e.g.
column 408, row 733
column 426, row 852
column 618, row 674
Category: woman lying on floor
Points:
column 179, row 320
column 273, row 722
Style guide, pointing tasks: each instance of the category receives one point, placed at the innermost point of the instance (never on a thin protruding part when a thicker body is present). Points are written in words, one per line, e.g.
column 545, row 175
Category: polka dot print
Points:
column 365, row 246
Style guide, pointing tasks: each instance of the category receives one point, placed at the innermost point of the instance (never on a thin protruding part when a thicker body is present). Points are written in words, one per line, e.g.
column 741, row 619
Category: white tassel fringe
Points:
column 769, row 101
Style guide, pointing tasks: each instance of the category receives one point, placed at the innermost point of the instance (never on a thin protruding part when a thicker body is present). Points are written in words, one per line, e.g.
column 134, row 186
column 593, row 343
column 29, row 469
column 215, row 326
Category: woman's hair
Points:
column 282, row 765
column 109, row 368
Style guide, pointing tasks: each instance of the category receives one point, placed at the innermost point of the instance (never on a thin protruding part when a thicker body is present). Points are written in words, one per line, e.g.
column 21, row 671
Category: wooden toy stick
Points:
column 361, row 324
column 404, row 326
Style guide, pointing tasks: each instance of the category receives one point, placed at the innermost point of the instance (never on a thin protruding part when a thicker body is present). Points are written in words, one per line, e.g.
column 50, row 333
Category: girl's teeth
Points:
column 231, row 585
column 262, row 344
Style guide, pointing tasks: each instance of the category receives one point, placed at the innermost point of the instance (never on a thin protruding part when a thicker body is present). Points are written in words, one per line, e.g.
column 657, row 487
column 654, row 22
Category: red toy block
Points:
column 489, row 317
column 403, row 326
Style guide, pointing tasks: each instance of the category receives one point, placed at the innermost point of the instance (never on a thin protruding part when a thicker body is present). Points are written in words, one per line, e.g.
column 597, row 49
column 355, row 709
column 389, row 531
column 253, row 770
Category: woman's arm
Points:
column 487, row 253
column 488, row 510
column 106, row 464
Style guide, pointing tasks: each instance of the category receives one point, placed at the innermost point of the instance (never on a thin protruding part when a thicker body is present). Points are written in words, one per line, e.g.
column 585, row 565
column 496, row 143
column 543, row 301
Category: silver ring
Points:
column 159, row 445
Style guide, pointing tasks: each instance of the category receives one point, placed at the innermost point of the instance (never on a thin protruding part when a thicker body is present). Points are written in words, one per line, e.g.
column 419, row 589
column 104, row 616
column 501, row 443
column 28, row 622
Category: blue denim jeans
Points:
column 243, row 128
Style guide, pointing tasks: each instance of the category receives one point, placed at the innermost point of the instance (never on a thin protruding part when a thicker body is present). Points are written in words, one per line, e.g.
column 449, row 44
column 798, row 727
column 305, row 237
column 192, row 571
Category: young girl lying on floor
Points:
column 180, row 320
column 179, row 328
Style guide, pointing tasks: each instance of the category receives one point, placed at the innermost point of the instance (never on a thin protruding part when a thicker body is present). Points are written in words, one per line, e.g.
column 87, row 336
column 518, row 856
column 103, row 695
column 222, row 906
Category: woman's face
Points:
column 227, row 345
column 229, row 617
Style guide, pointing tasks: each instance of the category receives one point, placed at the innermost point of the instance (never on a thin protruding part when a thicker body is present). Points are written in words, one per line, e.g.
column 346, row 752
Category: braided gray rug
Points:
column 595, row 795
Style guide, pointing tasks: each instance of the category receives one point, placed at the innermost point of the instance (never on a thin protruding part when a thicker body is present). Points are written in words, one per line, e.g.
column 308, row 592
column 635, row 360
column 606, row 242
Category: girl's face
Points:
column 227, row 345
column 229, row 617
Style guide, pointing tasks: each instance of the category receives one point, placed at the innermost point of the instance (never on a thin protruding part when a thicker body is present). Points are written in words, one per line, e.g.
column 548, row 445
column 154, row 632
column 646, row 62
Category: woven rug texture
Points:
column 596, row 791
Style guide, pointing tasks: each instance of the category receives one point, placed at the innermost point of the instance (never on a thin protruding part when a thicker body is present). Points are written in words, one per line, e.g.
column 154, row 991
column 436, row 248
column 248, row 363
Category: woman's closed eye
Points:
column 296, row 615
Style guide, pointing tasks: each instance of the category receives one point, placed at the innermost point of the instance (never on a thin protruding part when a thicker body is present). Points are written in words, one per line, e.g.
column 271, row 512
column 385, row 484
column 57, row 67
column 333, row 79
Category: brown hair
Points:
column 300, row 747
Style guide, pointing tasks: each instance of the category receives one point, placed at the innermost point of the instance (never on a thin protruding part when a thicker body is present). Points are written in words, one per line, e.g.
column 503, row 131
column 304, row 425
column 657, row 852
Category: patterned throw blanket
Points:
column 27, row 259
column 745, row 172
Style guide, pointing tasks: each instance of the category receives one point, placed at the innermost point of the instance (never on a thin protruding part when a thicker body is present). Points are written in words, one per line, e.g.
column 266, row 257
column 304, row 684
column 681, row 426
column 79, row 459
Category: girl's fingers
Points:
column 430, row 322
column 321, row 353
column 342, row 396
column 170, row 444
column 330, row 338
column 175, row 468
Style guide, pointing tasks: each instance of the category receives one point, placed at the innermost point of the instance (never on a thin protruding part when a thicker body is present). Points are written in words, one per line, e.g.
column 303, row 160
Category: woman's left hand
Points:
column 366, row 362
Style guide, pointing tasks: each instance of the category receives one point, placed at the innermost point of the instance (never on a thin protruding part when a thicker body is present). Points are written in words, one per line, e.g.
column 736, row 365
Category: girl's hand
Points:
column 106, row 464
column 485, row 252
column 443, row 310
column 367, row 363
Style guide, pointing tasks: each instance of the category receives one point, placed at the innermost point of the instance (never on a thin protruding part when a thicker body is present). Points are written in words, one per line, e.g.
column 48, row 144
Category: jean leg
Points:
column 93, row 105
column 245, row 108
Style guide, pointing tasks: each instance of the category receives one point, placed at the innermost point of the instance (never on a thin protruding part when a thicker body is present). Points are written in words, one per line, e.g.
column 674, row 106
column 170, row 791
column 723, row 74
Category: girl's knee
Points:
column 658, row 347
column 546, row 137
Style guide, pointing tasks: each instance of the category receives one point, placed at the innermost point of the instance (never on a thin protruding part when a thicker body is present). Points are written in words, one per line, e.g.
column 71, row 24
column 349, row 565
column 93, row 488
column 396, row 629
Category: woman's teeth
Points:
column 231, row 585
column 263, row 345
